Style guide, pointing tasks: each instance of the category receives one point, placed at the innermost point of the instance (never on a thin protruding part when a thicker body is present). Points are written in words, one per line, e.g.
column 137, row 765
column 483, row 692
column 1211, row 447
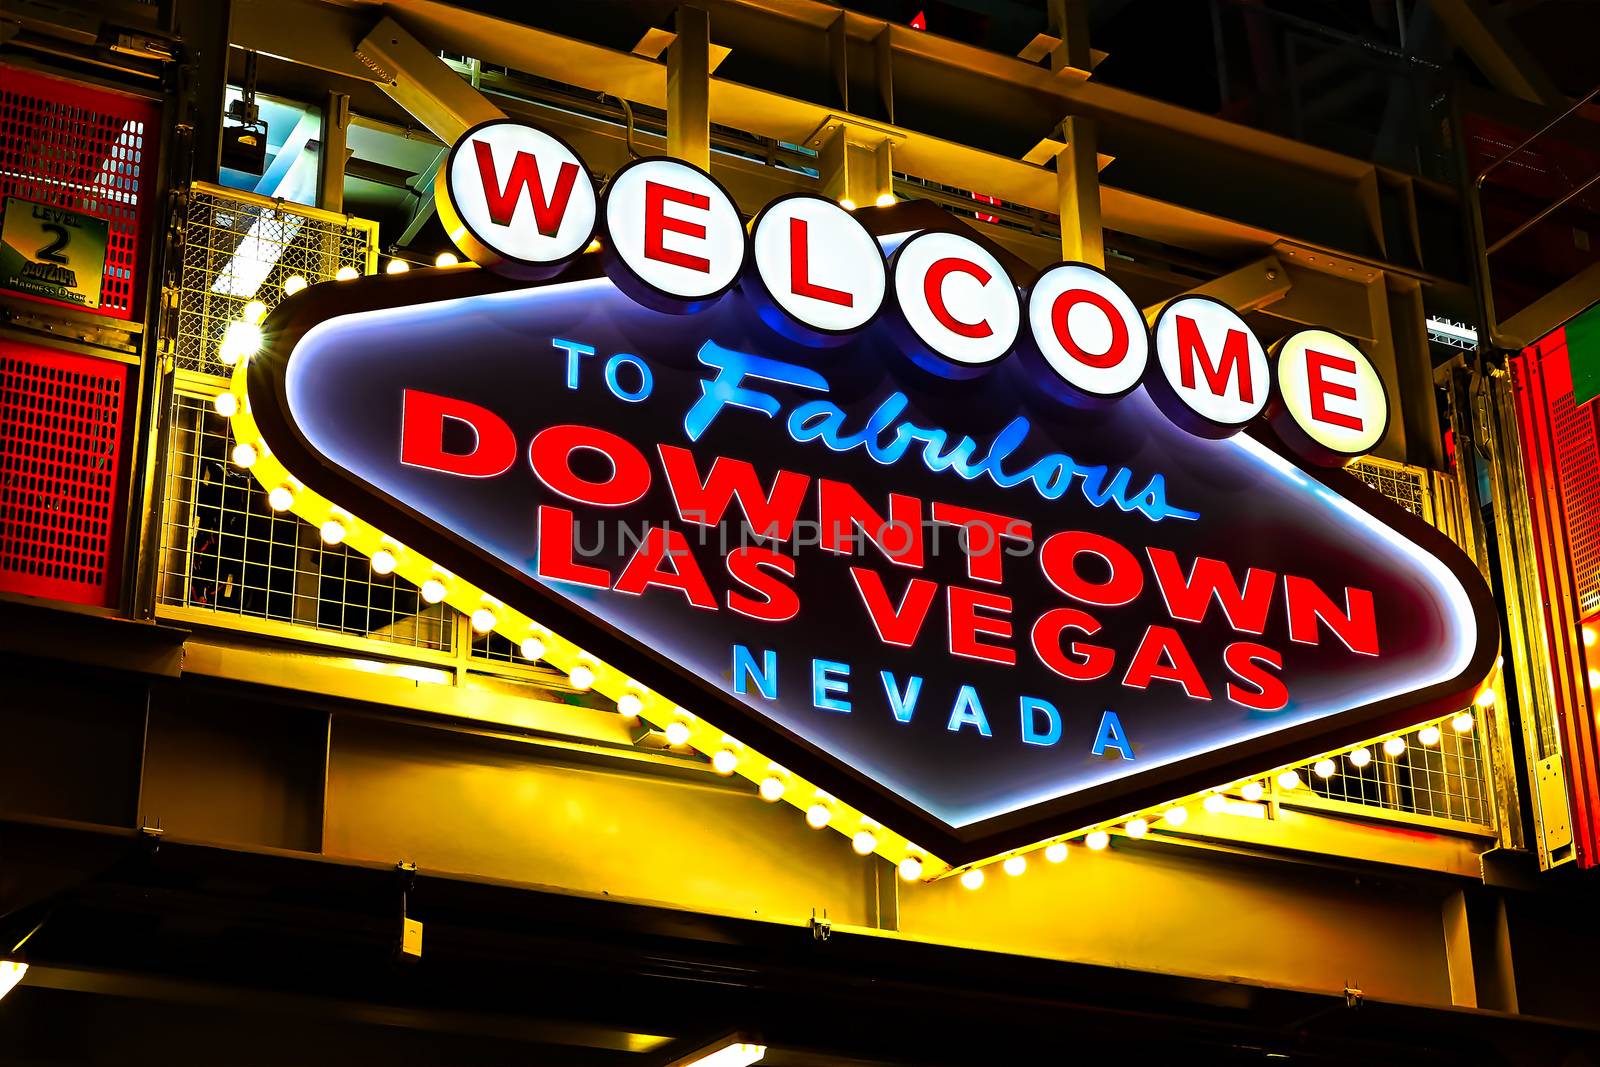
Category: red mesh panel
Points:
column 87, row 149
column 61, row 418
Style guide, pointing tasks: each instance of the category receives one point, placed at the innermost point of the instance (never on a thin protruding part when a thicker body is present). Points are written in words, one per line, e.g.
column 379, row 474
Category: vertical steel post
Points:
column 689, row 88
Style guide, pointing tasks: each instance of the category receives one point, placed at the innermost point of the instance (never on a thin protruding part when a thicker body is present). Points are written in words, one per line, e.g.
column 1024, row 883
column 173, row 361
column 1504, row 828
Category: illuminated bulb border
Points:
column 913, row 863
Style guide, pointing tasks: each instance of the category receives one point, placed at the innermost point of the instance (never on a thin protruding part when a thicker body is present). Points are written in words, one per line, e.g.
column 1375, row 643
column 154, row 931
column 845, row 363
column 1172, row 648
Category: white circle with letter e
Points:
column 516, row 199
column 673, row 238
column 1333, row 395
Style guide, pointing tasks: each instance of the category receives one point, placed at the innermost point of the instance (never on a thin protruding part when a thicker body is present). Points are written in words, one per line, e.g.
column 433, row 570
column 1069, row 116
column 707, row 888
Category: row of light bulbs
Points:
column 242, row 339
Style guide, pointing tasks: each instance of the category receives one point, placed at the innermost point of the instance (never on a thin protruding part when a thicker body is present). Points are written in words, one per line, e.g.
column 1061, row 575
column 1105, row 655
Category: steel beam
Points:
column 419, row 81
column 689, row 88
column 331, row 152
column 1484, row 36
column 1078, row 190
column 1247, row 289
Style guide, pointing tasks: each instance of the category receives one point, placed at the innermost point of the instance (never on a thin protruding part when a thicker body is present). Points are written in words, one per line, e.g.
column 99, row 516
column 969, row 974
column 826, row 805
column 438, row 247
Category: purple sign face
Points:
column 977, row 613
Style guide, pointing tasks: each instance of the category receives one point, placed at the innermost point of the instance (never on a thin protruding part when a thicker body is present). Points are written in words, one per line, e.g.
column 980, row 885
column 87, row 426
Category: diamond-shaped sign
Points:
column 976, row 614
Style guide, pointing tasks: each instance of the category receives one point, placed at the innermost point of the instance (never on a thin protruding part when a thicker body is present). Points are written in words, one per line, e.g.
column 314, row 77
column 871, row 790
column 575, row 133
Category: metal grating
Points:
column 1406, row 486
column 1446, row 780
column 1577, row 443
column 88, row 149
column 61, row 419
column 239, row 247
column 226, row 550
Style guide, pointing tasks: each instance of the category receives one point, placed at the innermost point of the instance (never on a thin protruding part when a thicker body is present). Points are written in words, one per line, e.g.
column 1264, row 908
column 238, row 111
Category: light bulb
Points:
column 725, row 762
column 383, row 562
column 483, row 620
column 398, row 266
column 1015, row 865
column 1485, row 698
column 345, row 273
column 446, row 259
column 1289, row 780
column 864, row 842
column 1214, row 803
column 911, row 868
column 1175, row 816
column 1251, row 791
column 818, row 816
column 581, row 677
column 1594, row 678
column 244, row 456
column 1056, row 852
column 1360, row 757
column 226, row 404
column 628, row 704
column 1097, row 839
column 240, row 340
column 533, row 649
column 1462, row 723
column 846, row 203
column 253, row 312
column 332, row 532
column 677, row 732
column 972, row 879
column 293, row 284
column 1428, row 735
column 1137, row 827
column 1394, row 746
column 433, row 591
column 886, row 200
column 772, row 789
column 280, row 498
column 1323, row 768
column 1589, row 636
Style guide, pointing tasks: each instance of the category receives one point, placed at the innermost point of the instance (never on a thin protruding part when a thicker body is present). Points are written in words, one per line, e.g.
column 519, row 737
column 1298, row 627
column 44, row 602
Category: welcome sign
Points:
column 957, row 567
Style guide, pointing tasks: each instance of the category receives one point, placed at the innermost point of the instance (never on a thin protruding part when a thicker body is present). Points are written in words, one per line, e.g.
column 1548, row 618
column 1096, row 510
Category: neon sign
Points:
column 955, row 567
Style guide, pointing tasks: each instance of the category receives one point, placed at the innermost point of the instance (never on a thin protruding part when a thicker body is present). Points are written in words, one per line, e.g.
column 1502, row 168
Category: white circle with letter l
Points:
column 516, row 199
column 817, row 267
column 958, row 305
column 673, row 238
column 1330, row 406
column 1213, row 376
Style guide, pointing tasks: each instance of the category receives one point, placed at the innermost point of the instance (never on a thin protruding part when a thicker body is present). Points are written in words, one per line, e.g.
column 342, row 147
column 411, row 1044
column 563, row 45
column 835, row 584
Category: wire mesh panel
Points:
column 226, row 550
column 239, row 248
column 1435, row 771
column 87, row 149
column 1406, row 486
column 61, row 426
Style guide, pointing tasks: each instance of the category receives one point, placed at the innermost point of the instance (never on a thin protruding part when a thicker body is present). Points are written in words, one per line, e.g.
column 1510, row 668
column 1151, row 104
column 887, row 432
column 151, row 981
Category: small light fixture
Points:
column 433, row 591
column 397, row 266
column 281, row 498
column 846, row 203
column 818, row 815
column 1175, row 816
column 225, row 404
column 533, row 649
column 1462, row 724
column 911, row 868
column 1428, row 735
column 1014, row 865
column 629, row 704
column 581, row 677
column 886, row 200
column 1252, row 791
column 1360, row 757
column 771, row 789
column 1394, row 747
column 293, row 284
column 346, row 273
column 1137, row 827
column 1589, row 636
column 240, row 340
column 332, row 532
column 383, row 562
column 972, row 879
column 864, row 842
column 1289, row 780
column 1485, row 698
column 483, row 620
column 254, row 312
column 1214, row 803
column 1056, row 852
column 677, row 733
column 1097, row 840
column 446, row 259
column 1323, row 768
column 725, row 762
column 244, row 456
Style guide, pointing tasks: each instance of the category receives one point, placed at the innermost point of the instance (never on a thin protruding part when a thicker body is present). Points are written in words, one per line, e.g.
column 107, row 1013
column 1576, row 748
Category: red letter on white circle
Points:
column 1330, row 406
column 673, row 239
column 1212, row 371
column 817, row 267
column 515, row 199
column 1088, row 332
column 959, row 307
